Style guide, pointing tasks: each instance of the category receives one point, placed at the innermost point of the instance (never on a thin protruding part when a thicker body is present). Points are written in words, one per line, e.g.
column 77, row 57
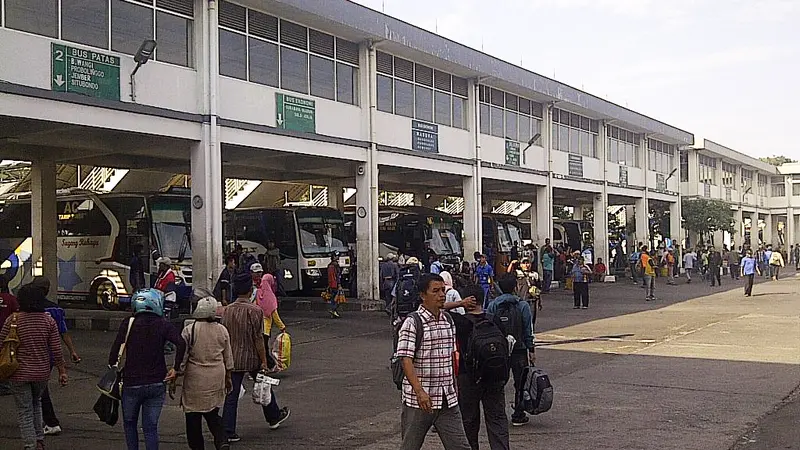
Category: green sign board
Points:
column 84, row 72
column 512, row 153
column 295, row 113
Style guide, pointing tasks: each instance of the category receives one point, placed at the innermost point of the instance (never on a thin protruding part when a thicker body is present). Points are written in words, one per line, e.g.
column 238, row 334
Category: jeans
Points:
column 580, row 294
column 27, row 396
column 634, row 272
column 735, row 272
column 714, row 273
column 519, row 361
column 548, row 280
column 415, row 423
column 194, row 429
column 230, row 413
column 48, row 412
column 149, row 399
column 650, row 285
column 470, row 398
column 688, row 271
column 748, row 284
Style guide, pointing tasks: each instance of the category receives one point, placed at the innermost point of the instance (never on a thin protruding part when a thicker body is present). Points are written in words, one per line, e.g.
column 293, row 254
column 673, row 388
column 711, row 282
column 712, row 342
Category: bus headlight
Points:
column 287, row 274
column 313, row 273
column 312, row 263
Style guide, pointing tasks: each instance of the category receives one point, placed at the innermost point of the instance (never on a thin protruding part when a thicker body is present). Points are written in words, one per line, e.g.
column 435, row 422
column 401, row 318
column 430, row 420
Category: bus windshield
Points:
column 443, row 241
column 503, row 239
column 320, row 235
column 514, row 233
column 172, row 226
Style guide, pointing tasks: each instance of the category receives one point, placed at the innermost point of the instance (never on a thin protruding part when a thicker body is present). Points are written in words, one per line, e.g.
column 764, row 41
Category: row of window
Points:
column 414, row 90
column 622, row 146
column 762, row 185
column 574, row 133
column 707, row 169
column 684, row 155
column 660, row 156
column 266, row 50
column 509, row 116
column 728, row 174
column 117, row 25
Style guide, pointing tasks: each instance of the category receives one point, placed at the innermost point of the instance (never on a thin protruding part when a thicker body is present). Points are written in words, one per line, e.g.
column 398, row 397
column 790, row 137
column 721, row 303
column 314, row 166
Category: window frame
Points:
column 510, row 105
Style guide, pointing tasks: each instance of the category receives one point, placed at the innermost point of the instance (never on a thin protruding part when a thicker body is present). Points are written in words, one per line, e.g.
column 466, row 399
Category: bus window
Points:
column 172, row 227
column 321, row 235
column 503, row 240
column 133, row 229
column 279, row 225
column 557, row 235
column 514, row 233
column 246, row 226
column 81, row 218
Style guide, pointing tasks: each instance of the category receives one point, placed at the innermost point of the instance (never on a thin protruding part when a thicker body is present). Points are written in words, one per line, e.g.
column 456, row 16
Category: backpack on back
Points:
column 487, row 358
column 537, row 392
column 407, row 296
column 511, row 318
column 395, row 364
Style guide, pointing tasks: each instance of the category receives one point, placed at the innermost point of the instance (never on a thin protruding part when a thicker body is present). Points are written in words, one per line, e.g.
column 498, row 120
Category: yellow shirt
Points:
column 648, row 269
column 269, row 320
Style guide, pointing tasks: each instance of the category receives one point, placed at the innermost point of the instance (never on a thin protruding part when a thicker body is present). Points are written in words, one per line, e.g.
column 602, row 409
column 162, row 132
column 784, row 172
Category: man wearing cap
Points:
column 166, row 277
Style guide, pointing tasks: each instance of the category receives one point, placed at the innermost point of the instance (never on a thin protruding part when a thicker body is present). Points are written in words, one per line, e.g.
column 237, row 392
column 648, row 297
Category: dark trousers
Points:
column 194, row 429
column 734, row 271
column 519, row 361
column 748, row 284
column 580, row 293
column 548, row 280
column 714, row 274
column 470, row 397
column 775, row 270
column 229, row 414
column 48, row 412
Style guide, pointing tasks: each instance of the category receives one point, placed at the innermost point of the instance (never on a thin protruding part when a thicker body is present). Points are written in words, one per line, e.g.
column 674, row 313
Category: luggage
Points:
column 407, row 296
column 283, row 350
column 537, row 392
column 510, row 316
column 9, row 363
column 262, row 389
column 487, row 356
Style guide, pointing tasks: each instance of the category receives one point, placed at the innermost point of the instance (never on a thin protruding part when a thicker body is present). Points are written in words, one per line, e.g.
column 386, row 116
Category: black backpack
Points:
column 537, row 392
column 407, row 295
column 486, row 356
column 397, row 369
column 511, row 318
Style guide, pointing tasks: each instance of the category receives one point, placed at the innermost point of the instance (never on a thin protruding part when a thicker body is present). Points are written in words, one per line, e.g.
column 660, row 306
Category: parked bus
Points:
column 413, row 231
column 96, row 236
column 305, row 236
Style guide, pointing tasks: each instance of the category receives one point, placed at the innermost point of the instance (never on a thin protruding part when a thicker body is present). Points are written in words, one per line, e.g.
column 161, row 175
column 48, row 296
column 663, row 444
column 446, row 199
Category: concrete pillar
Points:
column 366, row 236
column 207, row 245
column 738, row 228
column 43, row 223
column 675, row 230
column 642, row 222
column 790, row 239
column 544, row 216
column 600, row 206
column 336, row 197
column 694, row 174
column 472, row 214
column 768, row 226
column 754, row 229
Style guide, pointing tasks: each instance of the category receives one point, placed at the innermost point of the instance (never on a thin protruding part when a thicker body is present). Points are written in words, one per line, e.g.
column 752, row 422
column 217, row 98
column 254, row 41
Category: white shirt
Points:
column 452, row 295
column 688, row 260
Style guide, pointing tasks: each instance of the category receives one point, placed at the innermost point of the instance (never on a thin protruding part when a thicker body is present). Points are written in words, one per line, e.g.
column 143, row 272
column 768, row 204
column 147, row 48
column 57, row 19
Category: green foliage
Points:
column 777, row 160
column 704, row 216
column 561, row 212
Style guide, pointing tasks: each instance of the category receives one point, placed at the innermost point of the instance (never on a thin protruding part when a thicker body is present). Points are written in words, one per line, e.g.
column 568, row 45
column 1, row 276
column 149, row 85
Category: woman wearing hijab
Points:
column 451, row 294
column 267, row 300
column 38, row 342
column 206, row 375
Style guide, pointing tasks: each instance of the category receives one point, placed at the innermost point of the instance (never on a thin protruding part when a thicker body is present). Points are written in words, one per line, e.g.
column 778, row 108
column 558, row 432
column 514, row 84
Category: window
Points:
column 778, row 187
column 796, row 189
column 728, row 174
column 747, row 180
column 85, row 22
column 762, row 185
column 288, row 55
column 511, row 117
column 33, row 16
column 420, row 92
column 661, row 156
column 622, row 146
column 574, row 133
column 684, row 166
column 130, row 25
column 174, row 37
column 708, row 169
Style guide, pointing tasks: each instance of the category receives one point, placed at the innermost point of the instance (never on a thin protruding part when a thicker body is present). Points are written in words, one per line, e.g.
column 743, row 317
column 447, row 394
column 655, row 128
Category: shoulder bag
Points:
column 9, row 363
column 110, row 383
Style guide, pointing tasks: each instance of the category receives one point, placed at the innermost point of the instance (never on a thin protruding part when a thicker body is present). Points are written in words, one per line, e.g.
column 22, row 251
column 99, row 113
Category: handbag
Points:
column 107, row 409
column 110, row 383
column 9, row 363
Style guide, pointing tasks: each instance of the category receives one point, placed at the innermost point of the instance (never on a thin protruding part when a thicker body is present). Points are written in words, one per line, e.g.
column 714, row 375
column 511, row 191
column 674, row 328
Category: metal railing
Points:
column 97, row 179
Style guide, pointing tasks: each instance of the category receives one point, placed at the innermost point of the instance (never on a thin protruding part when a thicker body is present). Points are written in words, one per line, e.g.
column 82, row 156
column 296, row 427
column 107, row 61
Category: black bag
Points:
column 397, row 368
column 487, row 357
column 537, row 392
column 107, row 409
column 510, row 316
column 407, row 296
column 110, row 384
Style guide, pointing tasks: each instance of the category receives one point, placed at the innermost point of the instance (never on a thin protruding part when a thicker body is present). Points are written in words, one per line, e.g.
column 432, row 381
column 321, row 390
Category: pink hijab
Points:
column 265, row 297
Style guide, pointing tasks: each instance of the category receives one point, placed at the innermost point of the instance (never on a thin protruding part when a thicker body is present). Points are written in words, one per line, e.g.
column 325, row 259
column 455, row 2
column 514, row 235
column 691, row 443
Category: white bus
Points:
column 305, row 236
column 97, row 235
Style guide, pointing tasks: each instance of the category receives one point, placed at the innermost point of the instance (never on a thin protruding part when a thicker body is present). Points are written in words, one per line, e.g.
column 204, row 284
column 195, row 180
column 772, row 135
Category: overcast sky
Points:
column 725, row 70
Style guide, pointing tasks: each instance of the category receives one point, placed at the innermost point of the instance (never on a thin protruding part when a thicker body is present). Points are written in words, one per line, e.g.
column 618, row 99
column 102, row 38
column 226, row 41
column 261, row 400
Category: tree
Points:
column 706, row 216
column 777, row 160
column 561, row 212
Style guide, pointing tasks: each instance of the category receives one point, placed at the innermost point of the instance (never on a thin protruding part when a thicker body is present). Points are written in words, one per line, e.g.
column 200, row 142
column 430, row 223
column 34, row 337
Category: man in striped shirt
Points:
column 429, row 389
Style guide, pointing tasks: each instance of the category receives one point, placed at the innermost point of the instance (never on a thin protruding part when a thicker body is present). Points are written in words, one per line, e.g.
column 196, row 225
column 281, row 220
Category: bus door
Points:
column 412, row 232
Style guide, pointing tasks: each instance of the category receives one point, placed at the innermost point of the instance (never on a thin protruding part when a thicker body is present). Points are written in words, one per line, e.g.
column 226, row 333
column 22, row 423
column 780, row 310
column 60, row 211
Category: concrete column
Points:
column 336, row 197
column 675, row 230
column 694, row 174
column 642, row 222
column 44, row 257
column 768, row 226
column 544, row 216
column 600, row 206
column 207, row 245
column 366, row 240
column 472, row 240
column 474, row 124
column 738, row 232
column 754, row 229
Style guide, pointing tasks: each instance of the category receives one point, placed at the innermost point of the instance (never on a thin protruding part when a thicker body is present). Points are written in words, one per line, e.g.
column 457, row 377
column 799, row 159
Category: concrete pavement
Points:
column 697, row 369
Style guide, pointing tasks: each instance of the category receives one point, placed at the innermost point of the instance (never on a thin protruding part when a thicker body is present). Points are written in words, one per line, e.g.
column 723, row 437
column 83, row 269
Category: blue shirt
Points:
column 547, row 261
column 577, row 274
column 59, row 316
column 748, row 265
column 524, row 309
column 436, row 267
column 483, row 272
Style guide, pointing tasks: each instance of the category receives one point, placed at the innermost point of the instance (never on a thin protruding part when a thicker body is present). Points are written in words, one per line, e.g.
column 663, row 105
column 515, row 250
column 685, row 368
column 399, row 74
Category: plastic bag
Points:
column 283, row 350
column 262, row 389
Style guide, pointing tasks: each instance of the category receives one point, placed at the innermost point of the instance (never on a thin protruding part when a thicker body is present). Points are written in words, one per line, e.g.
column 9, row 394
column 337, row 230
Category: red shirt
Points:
column 164, row 281
column 38, row 341
column 8, row 305
column 333, row 276
column 599, row 268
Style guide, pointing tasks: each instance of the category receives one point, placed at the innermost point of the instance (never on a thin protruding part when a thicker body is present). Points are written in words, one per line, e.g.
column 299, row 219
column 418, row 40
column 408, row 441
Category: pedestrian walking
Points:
column 766, row 257
column 749, row 269
column 334, row 293
column 475, row 389
column 484, row 277
column 669, row 261
column 451, row 294
column 165, row 282
column 689, row 260
column 223, row 290
column 776, row 263
column 581, row 275
column 649, row 274
column 267, row 300
column 244, row 322
column 635, row 262
column 517, row 320
column 206, row 373
column 548, row 260
column 389, row 273
column 429, row 391
column 38, row 346
column 796, row 256
column 715, row 267
column 145, row 370
column 137, row 268
column 734, row 257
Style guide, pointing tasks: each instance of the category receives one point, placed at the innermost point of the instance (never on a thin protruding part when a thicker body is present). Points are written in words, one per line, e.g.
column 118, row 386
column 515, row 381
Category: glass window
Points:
column 346, row 84
column 524, row 129
column 131, row 24
column 586, row 148
column 174, row 37
column 554, row 136
column 511, row 124
column 294, row 70
column 613, row 152
column 403, row 98
column 442, row 108
column 497, row 122
column 424, row 103
column 385, row 94
column 263, row 62
column 85, row 22
column 232, row 54
column 323, row 81
column 459, row 106
column 485, row 121
column 574, row 140
column 33, row 16
column 796, row 189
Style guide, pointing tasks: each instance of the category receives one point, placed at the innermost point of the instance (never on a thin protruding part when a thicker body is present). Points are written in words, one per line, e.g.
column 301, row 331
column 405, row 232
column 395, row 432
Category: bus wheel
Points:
column 105, row 294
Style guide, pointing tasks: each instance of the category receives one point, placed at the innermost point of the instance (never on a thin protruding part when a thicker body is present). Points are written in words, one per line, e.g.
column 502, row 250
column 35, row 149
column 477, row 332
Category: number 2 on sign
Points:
column 59, row 55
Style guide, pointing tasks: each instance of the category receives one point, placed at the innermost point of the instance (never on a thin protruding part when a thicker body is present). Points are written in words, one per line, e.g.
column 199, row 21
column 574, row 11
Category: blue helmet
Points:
column 148, row 300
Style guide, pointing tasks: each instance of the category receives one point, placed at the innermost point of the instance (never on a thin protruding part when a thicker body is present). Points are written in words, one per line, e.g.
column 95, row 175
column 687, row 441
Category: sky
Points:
column 724, row 70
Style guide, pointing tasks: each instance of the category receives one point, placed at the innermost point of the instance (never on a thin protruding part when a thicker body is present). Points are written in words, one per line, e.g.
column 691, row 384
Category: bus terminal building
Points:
column 330, row 93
